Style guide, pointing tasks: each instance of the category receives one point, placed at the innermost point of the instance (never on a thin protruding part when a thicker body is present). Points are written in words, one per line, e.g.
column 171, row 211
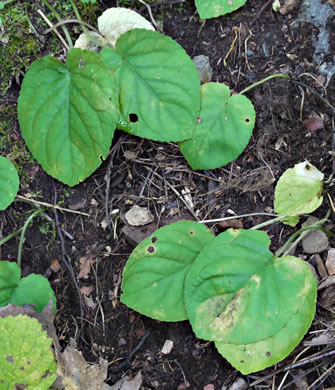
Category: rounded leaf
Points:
column 212, row 8
column 223, row 129
column 153, row 279
column 299, row 190
column 33, row 290
column 9, row 182
column 252, row 357
column 217, row 284
column 68, row 114
column 159, row 86
column 10, row 274
column 116, row 21
column 26, row 358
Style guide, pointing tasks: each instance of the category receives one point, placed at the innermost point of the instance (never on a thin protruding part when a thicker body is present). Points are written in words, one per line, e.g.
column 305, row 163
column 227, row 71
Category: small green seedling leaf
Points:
column 26, row 358
column 256, row 307
column 9, row 183
column 223, row 128
column 10, row 274
column 68, row 114
column 159, row 86
column 299, row 190
column 153, row 279
column 213, row 8
column 32, row 290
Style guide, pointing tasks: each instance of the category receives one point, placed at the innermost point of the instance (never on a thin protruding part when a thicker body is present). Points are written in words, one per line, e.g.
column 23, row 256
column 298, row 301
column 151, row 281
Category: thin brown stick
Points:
column 55, row 31
column 62, row 22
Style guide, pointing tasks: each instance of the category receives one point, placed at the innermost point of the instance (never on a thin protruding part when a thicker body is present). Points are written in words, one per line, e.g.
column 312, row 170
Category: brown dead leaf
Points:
column 288, row 6
column 232, row 223
column 315, row 122
column 86, row 290
column 86, row 262
column 76, row 373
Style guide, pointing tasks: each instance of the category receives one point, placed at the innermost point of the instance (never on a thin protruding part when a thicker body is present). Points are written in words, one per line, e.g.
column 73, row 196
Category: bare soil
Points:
column 151, row 174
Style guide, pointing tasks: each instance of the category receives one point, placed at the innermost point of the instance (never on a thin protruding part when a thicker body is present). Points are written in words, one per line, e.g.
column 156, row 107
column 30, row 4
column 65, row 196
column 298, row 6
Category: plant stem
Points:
column 65, row 30
column 286, row 248
column 267, row 223
column 236, row 217
column 264, row 81
column 10, row 236
column 24, row 228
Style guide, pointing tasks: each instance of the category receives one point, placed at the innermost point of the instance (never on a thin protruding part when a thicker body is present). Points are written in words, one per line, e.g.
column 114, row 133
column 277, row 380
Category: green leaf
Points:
column 2, row 5
column 223, row 129
column 159, row 86
column 212, row 8
column 299, row 190
column 26, row 358
column 68, row 114
column 10, row 274
column 241, row 296
column 153, row 279
column 9, row 183
column 33, row 290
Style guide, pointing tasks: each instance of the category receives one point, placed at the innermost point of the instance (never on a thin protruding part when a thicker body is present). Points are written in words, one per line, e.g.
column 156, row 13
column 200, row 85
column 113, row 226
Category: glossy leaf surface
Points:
column 9, row 182
column 223, row 129
column 153, row 279
column 68, row 114
column 159, row 86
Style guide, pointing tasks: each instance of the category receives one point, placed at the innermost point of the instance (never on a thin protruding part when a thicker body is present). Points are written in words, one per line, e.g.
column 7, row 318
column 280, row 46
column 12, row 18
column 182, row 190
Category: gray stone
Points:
column 316, row 240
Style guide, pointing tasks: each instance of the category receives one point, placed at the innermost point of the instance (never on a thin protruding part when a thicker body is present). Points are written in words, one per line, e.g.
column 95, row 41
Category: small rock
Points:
column 239, row 384
column 209, row 387
column 316, row 241
column 203, row 67
column 167, row 347
column 330, row 262
column 139, row 216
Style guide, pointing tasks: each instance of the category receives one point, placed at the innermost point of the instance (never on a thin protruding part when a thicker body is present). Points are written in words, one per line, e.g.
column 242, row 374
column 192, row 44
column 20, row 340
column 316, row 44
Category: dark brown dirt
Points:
column 111, row 330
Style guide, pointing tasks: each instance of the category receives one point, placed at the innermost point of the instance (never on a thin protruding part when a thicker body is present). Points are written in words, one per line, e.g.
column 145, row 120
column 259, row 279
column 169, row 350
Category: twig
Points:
column 55, row 31
column 62, row 22
column 132, row 353
column 65, row 261
column 153, row 21
column 54, row 206
column 260, row 11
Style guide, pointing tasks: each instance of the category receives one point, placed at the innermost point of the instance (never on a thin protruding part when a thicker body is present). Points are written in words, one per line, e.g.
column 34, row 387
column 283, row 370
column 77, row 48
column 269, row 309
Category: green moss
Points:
column 18, row 46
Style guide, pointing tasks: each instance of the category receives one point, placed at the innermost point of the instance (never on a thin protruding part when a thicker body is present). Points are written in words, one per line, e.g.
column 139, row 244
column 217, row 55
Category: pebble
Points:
column 139, row 216
column 316, row 241
column 330, row 262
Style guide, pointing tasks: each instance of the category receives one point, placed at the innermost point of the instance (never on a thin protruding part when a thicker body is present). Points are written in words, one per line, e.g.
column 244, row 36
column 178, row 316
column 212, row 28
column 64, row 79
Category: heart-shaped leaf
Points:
column 32, row 290
column 153, row 279
column 223, row 129
column 299, row 190
column 10, row 274
column 68, row 114
column 159, row 86
column 9, row 183
column 26, row 357
column 212, row 8
column 238, row 294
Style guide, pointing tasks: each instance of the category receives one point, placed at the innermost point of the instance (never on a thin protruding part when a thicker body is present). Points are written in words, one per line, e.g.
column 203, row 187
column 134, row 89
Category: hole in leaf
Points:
column 133, row 118
column 158, row 76
column 191, row 233
column 247, row 120
column 268, row 353
column 154, row 239
column 151, row 249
